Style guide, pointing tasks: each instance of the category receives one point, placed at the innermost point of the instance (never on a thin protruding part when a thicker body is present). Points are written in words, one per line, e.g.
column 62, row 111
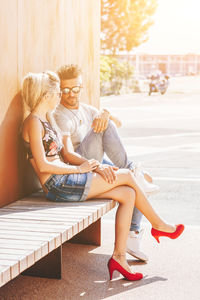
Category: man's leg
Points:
column 135, row 235
column 94, row 145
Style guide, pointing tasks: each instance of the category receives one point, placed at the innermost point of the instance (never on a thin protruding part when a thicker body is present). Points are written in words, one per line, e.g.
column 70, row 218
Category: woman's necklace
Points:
column 78, row 118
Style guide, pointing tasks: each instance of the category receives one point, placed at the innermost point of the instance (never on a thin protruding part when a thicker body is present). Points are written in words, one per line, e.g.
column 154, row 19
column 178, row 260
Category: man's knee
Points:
column 111, row 126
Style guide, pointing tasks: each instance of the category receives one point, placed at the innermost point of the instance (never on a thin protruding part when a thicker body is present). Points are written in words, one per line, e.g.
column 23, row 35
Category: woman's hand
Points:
column 107, row 172
column 88, row 166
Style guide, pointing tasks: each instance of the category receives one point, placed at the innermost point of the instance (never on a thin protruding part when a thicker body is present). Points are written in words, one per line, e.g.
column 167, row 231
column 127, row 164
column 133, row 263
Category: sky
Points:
column 176, row 28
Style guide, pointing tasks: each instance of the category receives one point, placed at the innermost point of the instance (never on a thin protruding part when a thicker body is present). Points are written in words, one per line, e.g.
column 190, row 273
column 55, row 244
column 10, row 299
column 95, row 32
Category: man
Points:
column 89, row 133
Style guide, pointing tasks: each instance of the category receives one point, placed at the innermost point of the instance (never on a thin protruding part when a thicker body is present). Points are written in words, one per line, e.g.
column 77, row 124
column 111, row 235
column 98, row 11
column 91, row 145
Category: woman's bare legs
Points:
column 122, row 190
column 125, row 196
column 126, row 177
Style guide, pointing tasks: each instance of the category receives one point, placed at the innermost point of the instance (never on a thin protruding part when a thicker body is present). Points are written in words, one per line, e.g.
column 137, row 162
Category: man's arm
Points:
column 100, row 123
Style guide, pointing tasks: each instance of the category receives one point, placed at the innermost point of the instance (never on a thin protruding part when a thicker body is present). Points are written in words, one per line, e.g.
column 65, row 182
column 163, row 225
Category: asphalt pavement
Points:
column 163, row 132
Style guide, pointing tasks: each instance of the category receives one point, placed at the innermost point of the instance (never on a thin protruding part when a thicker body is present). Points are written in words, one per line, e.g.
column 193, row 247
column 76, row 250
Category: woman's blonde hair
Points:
column 34, row 88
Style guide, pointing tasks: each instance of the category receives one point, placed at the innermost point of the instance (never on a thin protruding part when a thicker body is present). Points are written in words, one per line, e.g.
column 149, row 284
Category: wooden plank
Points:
column 5, row 274
column 53, row 241
column 14, row 267
column 30, row 258
column 50, row 214
column 43, row 218
column 97, row 210
column 22, row 259
column 62, row 216
column 86, row 205
column 24, row 228
column 43, row 200
column 39, row 215
column 37, row 224
column 41, row 248
column 77, row 209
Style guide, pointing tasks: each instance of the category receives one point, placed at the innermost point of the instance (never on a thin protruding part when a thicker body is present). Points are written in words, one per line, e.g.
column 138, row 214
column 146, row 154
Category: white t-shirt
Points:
column 75, row 122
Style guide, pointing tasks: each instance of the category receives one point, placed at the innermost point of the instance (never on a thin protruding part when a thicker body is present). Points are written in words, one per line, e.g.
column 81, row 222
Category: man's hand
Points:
column 100, row 123
column 116, row 120
column 107, row 172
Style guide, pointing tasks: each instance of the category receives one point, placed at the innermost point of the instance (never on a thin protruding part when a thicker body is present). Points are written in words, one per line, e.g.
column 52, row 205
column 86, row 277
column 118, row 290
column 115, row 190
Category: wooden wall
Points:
column 38, row 35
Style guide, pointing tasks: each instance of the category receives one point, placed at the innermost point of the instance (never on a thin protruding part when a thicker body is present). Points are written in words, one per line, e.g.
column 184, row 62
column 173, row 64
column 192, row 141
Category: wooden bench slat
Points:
column 42, row 200
column 53, row 242
column 45, row 216
column 42, row 224
column 39, row 229
column 24, row 217
column 49, row 215
column 28, row 253
column 14, row 267
column 40, row 247
column 5, row 274
column 25, row 261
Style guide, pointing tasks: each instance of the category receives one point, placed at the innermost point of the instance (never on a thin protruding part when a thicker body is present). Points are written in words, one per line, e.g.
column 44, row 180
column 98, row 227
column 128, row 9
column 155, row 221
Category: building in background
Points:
column 174, row 65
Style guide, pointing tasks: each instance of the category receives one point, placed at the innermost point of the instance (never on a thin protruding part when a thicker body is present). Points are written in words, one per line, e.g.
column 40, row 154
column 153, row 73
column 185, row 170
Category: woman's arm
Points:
column 35, row 135
column 69, row 155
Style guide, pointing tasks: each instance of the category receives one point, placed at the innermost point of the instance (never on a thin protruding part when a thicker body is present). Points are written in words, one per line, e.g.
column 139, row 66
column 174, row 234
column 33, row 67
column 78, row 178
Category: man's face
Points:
column 71, row 92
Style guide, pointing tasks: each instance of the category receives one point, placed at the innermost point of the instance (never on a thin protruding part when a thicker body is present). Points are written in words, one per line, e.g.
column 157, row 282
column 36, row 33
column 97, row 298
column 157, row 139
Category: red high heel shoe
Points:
column 172, row 235
column 114, row 265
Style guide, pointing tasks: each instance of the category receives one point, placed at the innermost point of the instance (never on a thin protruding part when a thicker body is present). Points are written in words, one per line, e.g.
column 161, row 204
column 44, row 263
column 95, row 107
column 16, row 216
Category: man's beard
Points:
column 74, row 102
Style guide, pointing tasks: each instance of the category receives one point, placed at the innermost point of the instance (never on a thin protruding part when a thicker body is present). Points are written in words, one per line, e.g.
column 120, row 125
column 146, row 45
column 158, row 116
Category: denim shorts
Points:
column 72, row 187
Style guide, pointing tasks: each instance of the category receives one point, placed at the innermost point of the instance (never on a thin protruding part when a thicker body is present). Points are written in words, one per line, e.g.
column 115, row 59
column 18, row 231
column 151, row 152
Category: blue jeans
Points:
column 95, row 145
column 71, row 187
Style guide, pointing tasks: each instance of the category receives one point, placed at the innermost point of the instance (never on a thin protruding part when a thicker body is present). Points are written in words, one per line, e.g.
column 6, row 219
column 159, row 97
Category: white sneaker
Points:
column 147, row 187
column 133, row 245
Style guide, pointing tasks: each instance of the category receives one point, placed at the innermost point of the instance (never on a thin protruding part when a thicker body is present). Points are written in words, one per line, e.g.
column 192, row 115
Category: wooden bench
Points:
column 33, row 229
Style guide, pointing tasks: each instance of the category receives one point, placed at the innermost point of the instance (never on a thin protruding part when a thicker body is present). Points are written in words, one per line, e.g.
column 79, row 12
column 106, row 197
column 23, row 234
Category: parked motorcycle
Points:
column 158, row 85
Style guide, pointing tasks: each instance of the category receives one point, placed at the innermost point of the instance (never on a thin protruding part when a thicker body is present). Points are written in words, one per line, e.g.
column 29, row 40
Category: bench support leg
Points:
column 48, row 266
column 90, row 235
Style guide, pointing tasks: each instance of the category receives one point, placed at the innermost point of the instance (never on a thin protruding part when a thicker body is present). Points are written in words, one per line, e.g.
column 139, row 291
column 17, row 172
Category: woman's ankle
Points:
column 119, row 254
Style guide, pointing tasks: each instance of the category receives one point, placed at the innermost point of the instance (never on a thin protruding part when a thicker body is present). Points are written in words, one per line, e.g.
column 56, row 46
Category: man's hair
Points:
column 69, row 72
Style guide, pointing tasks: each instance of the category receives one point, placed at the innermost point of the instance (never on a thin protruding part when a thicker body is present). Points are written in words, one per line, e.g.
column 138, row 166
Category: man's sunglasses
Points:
column 74, row 89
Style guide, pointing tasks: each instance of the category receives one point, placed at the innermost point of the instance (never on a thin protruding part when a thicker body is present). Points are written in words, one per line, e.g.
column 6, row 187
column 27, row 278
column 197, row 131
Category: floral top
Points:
column 51, row 142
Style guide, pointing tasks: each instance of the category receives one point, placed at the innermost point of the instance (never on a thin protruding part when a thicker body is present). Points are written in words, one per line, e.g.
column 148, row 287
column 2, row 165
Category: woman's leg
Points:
column 126, row 177
column 125, row 196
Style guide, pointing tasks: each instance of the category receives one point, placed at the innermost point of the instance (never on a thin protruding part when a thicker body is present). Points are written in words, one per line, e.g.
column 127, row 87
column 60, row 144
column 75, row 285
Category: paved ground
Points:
column 164, row 133
column 172, row 272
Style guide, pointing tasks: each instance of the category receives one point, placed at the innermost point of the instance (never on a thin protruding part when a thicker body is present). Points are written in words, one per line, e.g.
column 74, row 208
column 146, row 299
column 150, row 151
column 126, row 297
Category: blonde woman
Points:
column 64, row 182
